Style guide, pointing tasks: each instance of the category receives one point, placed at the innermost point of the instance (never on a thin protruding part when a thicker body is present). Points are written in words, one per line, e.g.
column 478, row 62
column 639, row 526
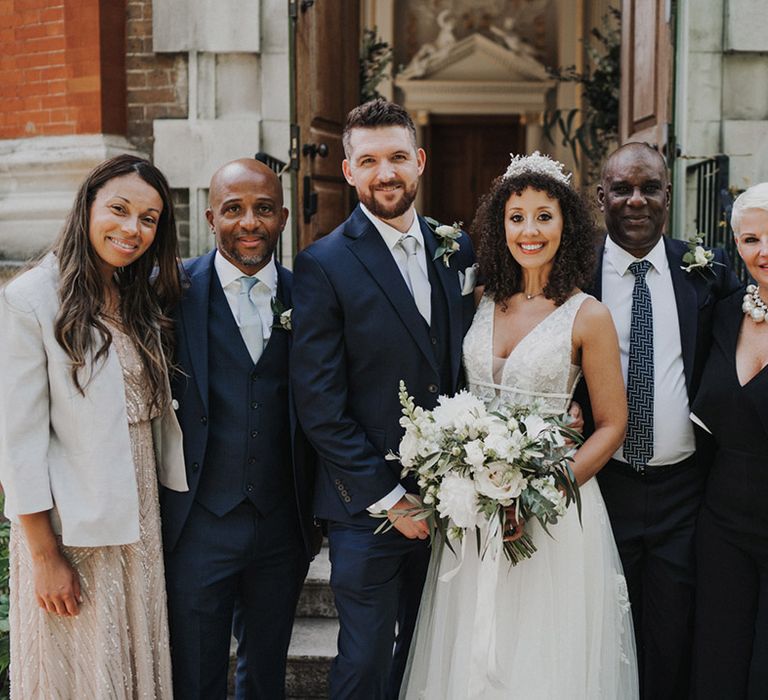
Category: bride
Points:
column 556, row 626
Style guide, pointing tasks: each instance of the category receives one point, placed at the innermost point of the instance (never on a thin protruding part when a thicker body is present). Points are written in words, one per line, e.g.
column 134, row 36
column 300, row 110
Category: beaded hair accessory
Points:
column 537, row 163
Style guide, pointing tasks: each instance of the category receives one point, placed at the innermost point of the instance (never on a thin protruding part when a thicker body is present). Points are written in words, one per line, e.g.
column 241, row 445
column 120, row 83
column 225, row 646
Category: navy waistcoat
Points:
column 248, row 451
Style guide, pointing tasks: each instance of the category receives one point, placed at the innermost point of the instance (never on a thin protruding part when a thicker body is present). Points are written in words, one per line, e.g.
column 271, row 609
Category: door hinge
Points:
column 293, row 152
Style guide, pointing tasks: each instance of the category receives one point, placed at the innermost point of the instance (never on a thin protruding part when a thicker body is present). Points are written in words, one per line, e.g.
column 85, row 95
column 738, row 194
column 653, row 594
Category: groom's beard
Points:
column 389, row 211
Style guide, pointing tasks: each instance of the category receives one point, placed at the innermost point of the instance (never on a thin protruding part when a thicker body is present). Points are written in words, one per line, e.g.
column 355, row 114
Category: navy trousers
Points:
column 240, row 567
column 377, row 582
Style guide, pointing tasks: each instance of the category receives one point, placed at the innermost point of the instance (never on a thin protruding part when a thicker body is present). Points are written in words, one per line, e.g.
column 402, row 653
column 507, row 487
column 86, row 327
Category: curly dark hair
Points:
column 574, row 262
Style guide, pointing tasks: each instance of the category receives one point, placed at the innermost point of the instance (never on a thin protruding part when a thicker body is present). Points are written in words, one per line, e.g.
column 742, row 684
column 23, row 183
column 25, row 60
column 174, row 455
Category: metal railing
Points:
column 714, row 200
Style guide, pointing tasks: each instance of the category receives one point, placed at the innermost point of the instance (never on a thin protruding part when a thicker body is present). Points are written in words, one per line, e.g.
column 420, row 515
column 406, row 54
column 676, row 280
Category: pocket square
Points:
column 468, row 280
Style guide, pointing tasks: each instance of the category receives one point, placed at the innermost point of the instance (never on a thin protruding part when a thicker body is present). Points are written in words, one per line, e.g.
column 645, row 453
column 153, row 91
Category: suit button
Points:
column 254, row 433
column 249, row 488
column 432, row 388
column 337, row 481
column 175, row 405
column 434, row 340
column 347, row 499
column 254, row 376
column 254, row 404
column 252, row 460
column 203, row 420
column 195, row 466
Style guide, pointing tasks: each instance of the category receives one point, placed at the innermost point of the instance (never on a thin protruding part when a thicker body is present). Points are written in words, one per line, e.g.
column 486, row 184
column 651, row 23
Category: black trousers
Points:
column 731, row 641
column 653, row 517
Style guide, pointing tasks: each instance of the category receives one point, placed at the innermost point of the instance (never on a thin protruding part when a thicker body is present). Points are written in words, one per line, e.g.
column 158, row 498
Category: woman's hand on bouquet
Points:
column 513, row 527
column 57, row 585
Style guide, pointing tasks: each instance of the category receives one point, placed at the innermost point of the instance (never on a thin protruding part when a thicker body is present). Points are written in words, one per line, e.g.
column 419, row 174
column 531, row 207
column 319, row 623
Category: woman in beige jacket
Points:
column 86, row 431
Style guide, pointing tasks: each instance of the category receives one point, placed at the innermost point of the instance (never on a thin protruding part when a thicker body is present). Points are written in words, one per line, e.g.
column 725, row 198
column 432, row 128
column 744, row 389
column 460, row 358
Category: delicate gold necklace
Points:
column 753, row 305
column 528, row 297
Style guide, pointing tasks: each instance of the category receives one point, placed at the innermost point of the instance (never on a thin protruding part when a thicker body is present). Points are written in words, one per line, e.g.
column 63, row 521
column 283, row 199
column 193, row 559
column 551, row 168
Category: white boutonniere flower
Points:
column 448, row 237
column 697, row 257
column 282, row 315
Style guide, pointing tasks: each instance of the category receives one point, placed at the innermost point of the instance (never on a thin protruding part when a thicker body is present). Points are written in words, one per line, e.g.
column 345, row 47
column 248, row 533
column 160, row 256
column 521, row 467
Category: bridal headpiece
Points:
column 537, row 163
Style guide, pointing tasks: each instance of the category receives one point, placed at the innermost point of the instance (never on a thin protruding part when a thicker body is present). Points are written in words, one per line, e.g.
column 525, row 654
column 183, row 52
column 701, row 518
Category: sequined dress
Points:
column 556, row 626
column 117, row 647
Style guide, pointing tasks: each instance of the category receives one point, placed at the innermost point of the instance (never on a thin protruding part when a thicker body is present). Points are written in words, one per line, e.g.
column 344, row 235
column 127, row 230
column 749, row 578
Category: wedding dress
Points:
column 556, row 626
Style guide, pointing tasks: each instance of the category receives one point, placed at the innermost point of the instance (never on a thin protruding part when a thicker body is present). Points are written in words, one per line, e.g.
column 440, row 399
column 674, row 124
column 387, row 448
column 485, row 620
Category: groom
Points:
column 372, row 307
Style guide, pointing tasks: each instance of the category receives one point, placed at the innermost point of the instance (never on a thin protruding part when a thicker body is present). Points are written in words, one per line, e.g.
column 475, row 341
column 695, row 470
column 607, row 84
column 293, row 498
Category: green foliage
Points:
column 601, row 83
column 5, row 651
column 375, row 60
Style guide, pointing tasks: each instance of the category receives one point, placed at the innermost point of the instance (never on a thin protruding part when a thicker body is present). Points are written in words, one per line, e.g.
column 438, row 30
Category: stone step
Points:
column 316, row 598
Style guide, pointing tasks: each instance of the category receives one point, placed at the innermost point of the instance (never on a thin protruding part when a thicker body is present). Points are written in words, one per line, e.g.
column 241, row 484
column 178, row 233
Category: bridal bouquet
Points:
column 477, row 466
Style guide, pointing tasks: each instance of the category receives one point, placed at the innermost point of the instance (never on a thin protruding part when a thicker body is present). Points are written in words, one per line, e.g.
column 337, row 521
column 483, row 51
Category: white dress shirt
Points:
column 391, row 237
column 673, row 439
column 262, row 292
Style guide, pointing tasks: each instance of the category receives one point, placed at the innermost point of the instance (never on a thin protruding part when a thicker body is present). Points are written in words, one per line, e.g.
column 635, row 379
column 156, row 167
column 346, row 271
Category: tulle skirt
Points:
column 556, row 626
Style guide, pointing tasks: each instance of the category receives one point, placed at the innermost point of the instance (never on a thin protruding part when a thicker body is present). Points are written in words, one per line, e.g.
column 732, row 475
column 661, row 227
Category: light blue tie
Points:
column 250, row 322
column 418, row 282
column 638, row 443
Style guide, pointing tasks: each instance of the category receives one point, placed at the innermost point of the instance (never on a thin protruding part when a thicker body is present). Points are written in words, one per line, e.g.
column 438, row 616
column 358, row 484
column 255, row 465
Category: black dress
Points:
column 731, row 639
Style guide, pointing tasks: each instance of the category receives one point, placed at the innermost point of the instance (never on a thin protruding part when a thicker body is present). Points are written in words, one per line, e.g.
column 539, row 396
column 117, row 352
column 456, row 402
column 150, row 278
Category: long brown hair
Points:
column 149, row 287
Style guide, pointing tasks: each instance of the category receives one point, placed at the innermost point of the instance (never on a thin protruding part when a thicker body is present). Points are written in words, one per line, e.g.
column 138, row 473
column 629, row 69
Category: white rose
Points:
column 445, row 231
column 700, row 256
column 409, row 448
column 500, row 445
column 475, row 455
column 500, row 482
column 457, row 500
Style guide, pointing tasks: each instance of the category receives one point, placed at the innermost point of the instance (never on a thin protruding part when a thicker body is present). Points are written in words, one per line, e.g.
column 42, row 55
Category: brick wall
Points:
column 61, row 67
column 156, row 83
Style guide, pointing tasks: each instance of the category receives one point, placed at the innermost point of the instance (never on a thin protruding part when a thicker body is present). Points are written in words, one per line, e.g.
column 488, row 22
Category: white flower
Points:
column 534, row 426
column 285, row 319
column 501, row 445
column 500, row 482
column 459, row 412
column 700, row 256
column 546, row 487
column 457, row 500
column 410, row 445
column 474, row 453
column 445, row 231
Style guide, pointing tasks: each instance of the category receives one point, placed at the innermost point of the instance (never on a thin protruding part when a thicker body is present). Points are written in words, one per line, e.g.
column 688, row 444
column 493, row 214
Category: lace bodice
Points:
column 538, row 370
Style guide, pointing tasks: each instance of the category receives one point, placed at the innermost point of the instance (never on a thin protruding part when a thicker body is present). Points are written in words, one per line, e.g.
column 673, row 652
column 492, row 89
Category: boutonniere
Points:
column 282, row 315
column 448, row 237
column 697, row 257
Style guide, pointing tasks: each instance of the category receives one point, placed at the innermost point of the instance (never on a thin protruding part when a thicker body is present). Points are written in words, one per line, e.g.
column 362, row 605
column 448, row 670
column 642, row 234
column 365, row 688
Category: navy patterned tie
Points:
column 638, row 443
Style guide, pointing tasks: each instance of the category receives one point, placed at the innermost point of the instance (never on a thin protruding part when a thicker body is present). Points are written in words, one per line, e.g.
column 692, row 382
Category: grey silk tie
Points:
column 250, row 321
column 416, row 279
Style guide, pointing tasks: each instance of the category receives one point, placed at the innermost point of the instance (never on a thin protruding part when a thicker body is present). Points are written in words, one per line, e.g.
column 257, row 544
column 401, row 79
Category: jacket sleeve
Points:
column 320, row 386
column 24, row 408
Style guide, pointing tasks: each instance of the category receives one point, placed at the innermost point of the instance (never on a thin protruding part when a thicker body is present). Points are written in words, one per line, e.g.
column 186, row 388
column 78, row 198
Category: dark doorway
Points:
column 464, row 154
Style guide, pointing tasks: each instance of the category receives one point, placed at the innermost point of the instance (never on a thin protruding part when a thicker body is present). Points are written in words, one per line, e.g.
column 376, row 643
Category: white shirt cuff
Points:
column 384, row 504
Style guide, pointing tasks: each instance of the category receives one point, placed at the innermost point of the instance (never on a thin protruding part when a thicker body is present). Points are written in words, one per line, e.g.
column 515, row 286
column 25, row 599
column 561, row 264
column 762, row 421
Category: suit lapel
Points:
column 369, row 248
column 450, row 288
column 687, row 308
column 597, row 283
column 194, row 314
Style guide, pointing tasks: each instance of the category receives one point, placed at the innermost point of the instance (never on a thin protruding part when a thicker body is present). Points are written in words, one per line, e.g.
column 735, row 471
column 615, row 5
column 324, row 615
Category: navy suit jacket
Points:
column 357, row 334
column 696, row 294
column 190, row 390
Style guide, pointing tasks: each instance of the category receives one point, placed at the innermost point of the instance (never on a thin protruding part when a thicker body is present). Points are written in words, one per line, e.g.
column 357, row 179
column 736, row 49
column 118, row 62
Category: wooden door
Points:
column 326, row 83
column 464, row 155
column 646, row 72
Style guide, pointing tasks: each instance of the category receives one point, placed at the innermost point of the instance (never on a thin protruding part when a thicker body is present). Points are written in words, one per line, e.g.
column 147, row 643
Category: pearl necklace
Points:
column 753, row 305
